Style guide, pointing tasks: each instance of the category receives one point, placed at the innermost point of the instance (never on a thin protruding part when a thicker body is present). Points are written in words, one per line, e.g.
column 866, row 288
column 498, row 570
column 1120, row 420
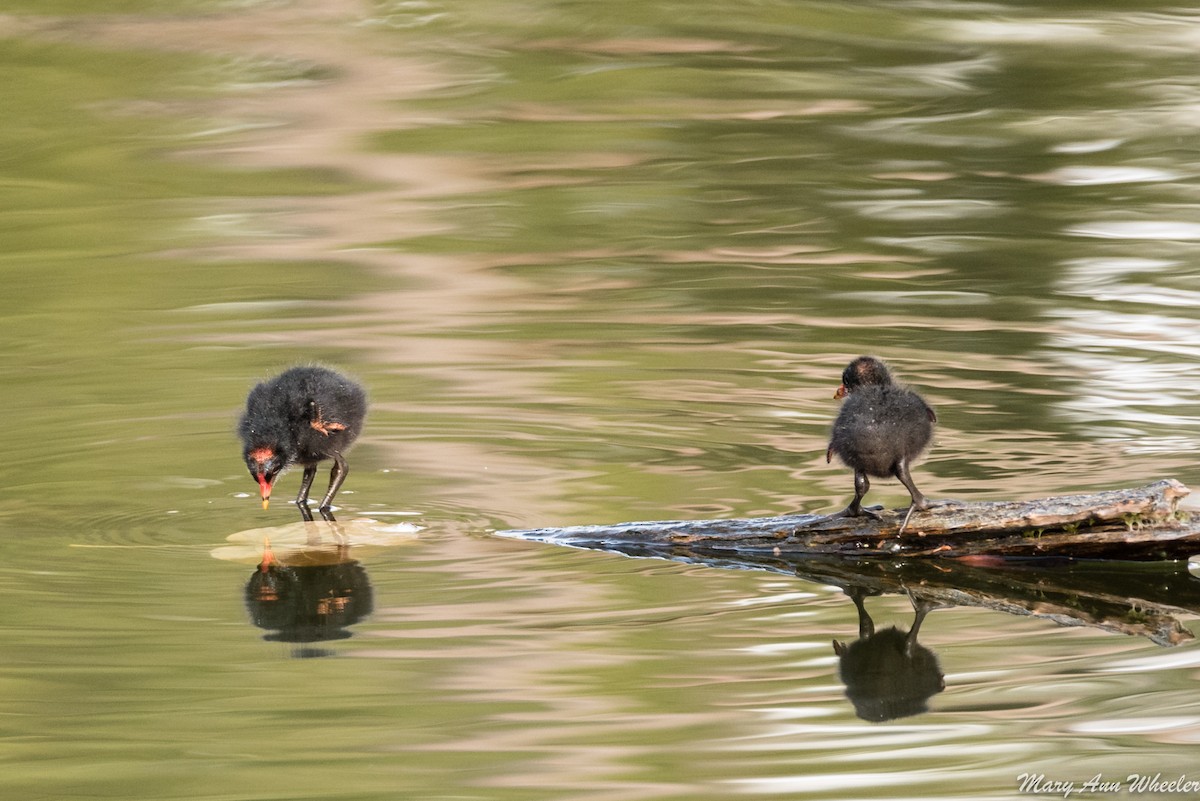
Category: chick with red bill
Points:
column 302, row 416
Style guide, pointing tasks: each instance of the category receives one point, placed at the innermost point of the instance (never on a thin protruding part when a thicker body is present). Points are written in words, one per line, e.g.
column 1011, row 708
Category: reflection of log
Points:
column 1133, row 524
column 1144, row 600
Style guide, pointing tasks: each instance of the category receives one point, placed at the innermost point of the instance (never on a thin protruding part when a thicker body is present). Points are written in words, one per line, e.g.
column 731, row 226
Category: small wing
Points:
column 319, row 423
column 327, row 427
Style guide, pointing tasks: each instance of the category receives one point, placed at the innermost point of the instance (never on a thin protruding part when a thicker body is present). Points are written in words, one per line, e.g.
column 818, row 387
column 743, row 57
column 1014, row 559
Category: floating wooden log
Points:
column 1017, row 557
column 1139, row 524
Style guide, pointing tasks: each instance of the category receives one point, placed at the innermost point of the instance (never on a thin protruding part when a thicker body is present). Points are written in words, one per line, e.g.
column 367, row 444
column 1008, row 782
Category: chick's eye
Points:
column 267, row 467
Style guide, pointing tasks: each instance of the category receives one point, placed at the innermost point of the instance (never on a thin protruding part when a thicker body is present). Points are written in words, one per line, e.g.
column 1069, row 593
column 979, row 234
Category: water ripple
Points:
column 1167, row 230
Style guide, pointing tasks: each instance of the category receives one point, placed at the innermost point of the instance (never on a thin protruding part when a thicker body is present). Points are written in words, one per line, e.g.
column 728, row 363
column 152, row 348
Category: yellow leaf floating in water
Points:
column 316, row 542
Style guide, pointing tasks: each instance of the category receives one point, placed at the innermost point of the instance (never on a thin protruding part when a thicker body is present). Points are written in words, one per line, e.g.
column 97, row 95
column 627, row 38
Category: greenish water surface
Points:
column 594, row 263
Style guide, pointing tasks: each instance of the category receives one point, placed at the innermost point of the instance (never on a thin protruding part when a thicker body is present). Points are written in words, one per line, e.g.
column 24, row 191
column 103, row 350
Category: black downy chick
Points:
column 302, row 416
column 881, row 428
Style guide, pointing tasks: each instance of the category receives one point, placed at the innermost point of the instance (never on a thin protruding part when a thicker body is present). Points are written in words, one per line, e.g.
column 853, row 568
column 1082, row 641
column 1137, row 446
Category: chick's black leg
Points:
column 856, row 509
column 310, row 472
column 861, row 485
column 336, row 476
column 919, row 502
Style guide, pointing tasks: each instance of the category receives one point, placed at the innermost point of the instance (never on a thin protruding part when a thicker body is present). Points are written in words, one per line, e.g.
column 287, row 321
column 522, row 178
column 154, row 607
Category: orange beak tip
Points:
column 268, row 558
column 266, row 503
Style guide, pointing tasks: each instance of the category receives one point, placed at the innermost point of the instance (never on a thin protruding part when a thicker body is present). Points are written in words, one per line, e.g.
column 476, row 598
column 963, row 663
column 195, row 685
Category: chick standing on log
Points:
column 880, row 429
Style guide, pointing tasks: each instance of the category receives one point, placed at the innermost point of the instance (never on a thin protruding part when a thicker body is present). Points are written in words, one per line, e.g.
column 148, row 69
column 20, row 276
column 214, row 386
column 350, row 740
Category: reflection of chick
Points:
column 888, row 674
column 309, row 603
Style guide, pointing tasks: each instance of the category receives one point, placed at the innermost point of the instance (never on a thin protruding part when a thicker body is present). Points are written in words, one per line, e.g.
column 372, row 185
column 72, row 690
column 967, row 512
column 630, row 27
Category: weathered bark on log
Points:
column 1128, row 524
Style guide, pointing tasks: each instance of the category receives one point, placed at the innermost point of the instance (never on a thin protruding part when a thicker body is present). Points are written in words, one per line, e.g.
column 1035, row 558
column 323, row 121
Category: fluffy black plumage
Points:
column 302, row 416
column 881, row 428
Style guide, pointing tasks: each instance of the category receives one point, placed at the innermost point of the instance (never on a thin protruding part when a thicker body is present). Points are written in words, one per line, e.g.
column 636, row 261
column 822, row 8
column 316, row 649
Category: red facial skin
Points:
column 261, row 457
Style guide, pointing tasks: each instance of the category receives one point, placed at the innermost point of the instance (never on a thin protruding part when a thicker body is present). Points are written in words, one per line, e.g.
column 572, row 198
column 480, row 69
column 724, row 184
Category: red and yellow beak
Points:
column 264, row 486
column 841, row 392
